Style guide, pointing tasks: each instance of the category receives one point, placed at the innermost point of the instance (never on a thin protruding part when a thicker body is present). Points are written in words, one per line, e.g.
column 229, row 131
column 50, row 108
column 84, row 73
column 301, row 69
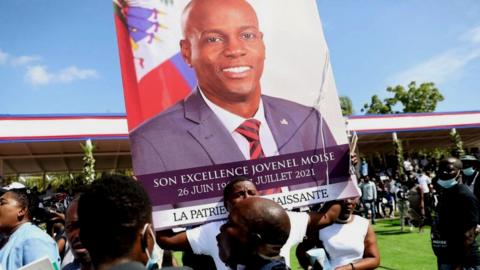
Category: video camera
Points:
column 50, row 207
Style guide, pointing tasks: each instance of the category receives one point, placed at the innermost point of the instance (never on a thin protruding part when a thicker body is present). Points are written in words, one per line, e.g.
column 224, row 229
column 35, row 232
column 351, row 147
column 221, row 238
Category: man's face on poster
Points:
column 225, row 47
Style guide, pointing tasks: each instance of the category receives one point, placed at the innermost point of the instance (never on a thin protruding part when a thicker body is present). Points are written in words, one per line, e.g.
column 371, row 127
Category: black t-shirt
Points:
column 456, row 213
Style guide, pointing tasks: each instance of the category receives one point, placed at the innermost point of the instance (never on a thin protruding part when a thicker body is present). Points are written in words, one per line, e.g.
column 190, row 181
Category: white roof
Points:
column 51, row 143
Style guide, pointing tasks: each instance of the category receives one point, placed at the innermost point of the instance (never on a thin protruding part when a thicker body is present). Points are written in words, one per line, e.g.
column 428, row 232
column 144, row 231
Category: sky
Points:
column 61, row 57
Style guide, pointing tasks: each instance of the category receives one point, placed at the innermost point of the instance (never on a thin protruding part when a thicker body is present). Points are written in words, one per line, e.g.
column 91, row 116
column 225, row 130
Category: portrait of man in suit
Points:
column 226, row 118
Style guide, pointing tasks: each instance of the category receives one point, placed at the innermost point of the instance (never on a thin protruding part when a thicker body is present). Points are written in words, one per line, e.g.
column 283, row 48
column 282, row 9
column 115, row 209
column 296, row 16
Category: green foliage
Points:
column 423, row 98
column 398, row 149
column 31, row 182
column 346, row 105
column 377, row 106
column 436, row 152
column 457, row 149
column 88, row 161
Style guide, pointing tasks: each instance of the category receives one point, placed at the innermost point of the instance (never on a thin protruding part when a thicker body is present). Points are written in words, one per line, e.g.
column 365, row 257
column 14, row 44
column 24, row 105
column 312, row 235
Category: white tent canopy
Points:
column 38, row 144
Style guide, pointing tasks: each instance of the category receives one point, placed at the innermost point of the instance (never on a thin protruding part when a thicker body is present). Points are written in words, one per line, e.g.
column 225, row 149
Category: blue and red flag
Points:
column 153, row 72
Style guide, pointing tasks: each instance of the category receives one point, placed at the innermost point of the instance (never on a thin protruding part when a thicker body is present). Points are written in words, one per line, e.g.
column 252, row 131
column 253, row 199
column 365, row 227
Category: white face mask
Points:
column 155, row 257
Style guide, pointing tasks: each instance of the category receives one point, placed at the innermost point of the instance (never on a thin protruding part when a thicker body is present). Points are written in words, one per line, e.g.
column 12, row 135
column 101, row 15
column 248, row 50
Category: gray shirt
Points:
column 369, row 191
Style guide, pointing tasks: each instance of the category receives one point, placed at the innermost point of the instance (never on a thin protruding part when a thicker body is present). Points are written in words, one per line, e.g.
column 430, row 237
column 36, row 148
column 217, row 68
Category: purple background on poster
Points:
column 284, row 170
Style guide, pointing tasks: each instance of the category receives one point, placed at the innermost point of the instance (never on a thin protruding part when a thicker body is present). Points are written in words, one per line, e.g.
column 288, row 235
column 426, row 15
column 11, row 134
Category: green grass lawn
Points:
column 398, row 250
column 404, row 250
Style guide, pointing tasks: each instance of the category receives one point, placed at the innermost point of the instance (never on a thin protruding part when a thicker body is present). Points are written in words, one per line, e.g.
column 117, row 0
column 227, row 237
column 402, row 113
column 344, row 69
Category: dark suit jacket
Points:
column 189, row 134
column 469, row 179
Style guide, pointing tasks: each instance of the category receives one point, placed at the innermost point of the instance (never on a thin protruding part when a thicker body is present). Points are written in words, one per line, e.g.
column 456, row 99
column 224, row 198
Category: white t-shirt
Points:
column 424, row 181
column 407, row 165
column 345, row 242
column 203, row 239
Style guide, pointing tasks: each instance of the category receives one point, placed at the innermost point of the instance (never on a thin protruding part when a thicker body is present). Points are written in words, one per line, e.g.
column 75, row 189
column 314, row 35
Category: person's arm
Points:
column 469, row 239
column 318, row 220
column 301, row 252
column 167, row 239
column 422, row 201
column 61, row 243
column 326, row 216
column 371, row 255
column 472, row 220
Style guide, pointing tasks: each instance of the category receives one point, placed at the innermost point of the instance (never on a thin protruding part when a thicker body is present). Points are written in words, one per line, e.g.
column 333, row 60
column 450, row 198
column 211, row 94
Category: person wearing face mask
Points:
column 454, row 227
column 115, row 216
column 470, row 174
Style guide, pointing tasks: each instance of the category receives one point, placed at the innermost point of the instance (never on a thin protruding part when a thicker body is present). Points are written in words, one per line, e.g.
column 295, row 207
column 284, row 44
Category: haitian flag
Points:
column 153, row 71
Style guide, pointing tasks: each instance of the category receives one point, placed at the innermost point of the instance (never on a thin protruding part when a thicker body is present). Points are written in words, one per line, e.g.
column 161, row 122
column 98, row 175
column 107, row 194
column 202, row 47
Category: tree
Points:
column 457, row 149
column 346, row 105
column 377, row 106
column 415, row 99
column 88, row 161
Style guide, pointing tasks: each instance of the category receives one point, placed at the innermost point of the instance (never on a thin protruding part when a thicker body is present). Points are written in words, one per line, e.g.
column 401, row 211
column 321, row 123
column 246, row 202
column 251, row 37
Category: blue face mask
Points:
column 154, row 258
column 449, row 182
column 468, row 171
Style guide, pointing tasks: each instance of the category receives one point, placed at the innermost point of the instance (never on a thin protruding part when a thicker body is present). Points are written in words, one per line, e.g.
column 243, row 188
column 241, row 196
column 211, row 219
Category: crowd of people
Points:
column 108, row 225
column 441, row 193
column 410, row 195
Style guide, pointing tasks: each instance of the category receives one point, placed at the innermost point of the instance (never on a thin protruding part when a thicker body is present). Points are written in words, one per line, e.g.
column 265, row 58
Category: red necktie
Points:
column 250, row 130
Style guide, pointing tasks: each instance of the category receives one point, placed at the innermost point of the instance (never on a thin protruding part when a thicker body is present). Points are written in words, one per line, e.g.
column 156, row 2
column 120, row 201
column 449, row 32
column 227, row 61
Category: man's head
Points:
column 72, row 228
column 237, row 189
column 449, row 168
column 470, row 164
column 223, row 44
column 256, row 227
column 115, row 220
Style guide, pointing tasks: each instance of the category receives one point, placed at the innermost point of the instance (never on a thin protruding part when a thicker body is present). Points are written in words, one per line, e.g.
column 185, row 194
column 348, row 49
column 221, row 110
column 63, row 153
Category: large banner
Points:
column 217, row 91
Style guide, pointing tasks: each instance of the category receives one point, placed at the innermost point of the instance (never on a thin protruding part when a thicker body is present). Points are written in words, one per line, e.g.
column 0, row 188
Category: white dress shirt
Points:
column 232, row 121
